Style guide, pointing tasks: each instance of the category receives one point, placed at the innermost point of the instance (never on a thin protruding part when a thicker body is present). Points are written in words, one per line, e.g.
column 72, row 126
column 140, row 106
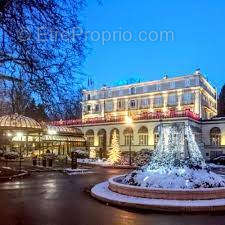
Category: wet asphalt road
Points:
column 58, row 199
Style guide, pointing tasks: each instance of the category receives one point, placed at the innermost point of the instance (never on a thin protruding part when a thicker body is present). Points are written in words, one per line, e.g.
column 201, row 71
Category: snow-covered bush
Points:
column 11, row 155
column 81, row 154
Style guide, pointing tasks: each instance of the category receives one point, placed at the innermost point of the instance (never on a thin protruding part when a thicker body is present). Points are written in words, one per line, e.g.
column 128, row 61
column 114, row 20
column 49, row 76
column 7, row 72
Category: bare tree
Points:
column 42, row 43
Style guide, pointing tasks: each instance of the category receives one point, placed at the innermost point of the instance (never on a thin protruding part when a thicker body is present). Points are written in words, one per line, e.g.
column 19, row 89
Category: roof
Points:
column 18, row 122
column 64, row 130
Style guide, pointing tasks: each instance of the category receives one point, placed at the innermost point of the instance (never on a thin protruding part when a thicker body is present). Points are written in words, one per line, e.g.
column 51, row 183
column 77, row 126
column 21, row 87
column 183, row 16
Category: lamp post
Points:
column 129, row 121
column 20, row 137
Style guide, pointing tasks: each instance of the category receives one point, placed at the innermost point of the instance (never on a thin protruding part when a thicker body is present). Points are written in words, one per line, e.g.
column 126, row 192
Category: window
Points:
column 144, row 102
column 132, row 103
column 215, row 136
column 143, row 136
column 90, row 138
column 88, row 97
column 158, row 101
column 172, row 99
column 187, row 83
column 158, row 87
column 90, row 141
column 128, row 139
column 97, row 108
column 128, row 136
column 110, row 94
column 88, row 108
column 133, row 91
column 109, row 106
column 172, row 85
column 102, row 138
column 187, row 98
column 120, row 104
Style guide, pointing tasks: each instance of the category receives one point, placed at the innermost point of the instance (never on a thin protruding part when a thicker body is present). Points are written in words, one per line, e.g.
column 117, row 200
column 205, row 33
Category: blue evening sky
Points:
column 199, row 40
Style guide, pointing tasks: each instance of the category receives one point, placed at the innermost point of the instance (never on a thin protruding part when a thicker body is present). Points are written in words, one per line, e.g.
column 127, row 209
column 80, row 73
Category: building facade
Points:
column 191, row 92
column 188, row 99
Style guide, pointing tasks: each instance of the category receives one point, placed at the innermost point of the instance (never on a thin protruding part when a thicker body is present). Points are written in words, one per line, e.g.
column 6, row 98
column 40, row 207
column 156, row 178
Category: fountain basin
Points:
column 165, row 194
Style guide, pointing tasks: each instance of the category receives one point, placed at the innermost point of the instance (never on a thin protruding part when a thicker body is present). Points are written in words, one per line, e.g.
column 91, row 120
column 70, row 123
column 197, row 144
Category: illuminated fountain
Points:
column 177, row 162
column 176, row 179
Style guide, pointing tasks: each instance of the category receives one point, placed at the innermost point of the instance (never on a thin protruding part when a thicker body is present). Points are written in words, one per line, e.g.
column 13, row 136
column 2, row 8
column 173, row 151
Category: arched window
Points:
column 90, row 137
column 215, row 136
column 143, row 136
column 156, row 135
column 111, row 135
column 128, row 136
column 102, row 138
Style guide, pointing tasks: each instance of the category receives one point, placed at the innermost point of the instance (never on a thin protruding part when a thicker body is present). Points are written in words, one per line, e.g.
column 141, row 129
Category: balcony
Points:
column 120, row 119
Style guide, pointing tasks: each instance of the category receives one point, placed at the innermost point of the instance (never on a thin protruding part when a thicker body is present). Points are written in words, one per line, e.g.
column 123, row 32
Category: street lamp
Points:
column 19, row 135
column 129, row 121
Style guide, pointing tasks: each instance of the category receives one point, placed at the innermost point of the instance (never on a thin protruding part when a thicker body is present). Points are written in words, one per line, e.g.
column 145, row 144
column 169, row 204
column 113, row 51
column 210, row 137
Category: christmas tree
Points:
column 115, row 153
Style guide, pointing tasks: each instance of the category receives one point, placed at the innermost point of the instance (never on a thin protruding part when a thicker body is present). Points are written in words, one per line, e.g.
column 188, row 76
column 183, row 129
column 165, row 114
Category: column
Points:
column 102, row 109
column 165, row 101
column 114, row 105
column 179, row 99
column 151, row 103
column 198, row 103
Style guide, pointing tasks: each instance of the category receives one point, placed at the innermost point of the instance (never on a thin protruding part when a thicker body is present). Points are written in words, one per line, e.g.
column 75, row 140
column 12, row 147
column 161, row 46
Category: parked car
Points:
column 220, row 160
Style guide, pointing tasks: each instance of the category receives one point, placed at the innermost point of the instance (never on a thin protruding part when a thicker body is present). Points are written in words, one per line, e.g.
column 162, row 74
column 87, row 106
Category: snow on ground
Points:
column 102, row 191
column 176, row 178
column 95, row 162
column 212, row 165
column 70, row 171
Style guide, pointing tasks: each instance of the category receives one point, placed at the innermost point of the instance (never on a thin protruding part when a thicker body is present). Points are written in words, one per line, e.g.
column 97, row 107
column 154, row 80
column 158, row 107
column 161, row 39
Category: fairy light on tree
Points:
column 92, row 154
column 115, row 153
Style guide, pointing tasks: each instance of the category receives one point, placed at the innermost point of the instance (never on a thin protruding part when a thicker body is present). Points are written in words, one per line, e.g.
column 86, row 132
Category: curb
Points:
column 21, row 175
column 152, row 206
column 108, row 167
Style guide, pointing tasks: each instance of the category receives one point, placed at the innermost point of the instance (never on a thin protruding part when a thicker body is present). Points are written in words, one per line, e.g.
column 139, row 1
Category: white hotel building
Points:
column 190, row 99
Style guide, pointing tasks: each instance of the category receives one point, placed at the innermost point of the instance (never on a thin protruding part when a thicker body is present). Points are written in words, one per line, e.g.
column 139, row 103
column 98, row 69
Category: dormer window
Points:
column 172, row 85
column 133, row 91
column 187, row 83
column 158, row 87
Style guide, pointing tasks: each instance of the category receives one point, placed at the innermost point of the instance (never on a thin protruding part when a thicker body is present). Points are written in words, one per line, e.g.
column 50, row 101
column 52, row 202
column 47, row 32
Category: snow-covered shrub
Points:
column 81, row 154
column 11, row 155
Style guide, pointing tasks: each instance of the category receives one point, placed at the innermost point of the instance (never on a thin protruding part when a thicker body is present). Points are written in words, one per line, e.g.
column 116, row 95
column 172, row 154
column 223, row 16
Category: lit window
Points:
column 215, row 136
